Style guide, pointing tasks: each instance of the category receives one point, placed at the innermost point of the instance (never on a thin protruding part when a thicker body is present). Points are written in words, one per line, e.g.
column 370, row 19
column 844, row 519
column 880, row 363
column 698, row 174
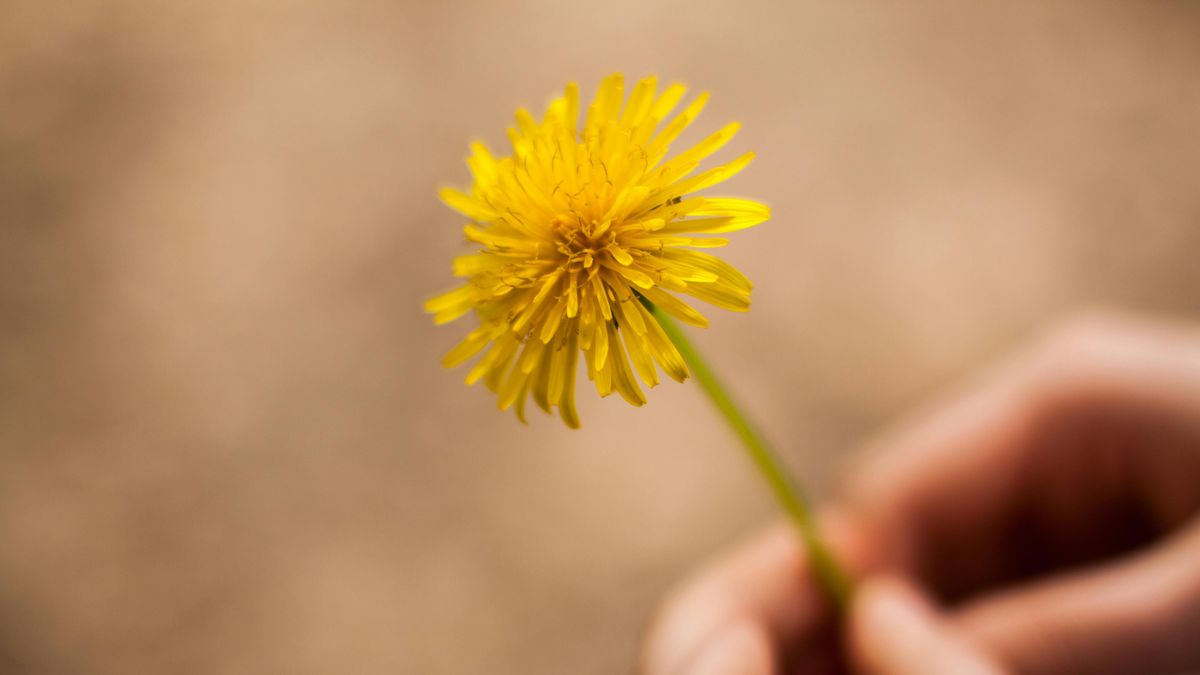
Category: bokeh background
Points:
column 226, row 445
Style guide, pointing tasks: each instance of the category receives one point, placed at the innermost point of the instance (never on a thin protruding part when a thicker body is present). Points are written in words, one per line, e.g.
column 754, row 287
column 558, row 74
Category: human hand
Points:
column 1045, row 522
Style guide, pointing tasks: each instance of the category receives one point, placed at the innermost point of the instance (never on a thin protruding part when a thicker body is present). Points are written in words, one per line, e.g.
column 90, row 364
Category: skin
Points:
column 1043, row 521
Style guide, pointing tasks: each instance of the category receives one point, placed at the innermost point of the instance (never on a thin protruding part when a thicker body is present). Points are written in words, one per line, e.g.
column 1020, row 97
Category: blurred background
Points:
column 226, row 444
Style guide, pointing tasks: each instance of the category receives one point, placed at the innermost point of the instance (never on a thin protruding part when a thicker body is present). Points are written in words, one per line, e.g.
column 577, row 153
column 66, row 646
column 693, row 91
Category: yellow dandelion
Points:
column 582, row 231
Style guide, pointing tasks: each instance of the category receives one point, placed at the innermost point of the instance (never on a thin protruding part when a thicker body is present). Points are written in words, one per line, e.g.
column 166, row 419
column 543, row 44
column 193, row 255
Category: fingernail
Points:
column 898, row 631
column 890, row 607
column 741, row 650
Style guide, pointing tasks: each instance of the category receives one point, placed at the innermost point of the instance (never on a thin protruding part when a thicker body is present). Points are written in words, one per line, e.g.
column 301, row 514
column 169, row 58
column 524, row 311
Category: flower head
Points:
column 580, row 229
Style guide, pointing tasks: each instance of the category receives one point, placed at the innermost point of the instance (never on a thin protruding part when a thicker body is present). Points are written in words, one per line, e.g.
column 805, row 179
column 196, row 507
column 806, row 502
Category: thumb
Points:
column 894, row 631
column 1138, row 614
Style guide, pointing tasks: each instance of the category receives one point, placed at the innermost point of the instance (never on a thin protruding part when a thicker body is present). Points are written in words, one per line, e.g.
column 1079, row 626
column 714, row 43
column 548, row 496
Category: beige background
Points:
column 225, row 442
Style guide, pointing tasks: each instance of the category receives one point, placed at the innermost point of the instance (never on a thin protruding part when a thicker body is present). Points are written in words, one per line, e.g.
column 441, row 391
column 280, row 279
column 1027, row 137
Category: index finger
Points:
column 1085, row 447
column 765, row 587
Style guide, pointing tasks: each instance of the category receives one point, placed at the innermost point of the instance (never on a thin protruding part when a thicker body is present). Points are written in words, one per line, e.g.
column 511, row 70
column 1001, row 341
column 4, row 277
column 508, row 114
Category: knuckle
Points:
column 1071, row 355
column 1085, row 332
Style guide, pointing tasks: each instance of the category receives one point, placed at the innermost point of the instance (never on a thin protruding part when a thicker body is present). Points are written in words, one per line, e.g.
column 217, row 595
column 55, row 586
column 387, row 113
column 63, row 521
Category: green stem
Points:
column 829, row 573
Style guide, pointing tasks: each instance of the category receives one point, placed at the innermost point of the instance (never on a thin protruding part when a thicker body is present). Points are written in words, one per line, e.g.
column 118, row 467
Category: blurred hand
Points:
column 1043, row 523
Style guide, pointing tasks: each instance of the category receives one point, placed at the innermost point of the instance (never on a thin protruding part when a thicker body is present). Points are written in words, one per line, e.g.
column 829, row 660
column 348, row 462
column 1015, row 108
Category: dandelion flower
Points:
column 581, row 229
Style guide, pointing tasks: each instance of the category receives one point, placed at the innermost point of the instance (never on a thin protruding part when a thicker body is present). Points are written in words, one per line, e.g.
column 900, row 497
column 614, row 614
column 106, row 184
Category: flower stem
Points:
column 829, row 572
